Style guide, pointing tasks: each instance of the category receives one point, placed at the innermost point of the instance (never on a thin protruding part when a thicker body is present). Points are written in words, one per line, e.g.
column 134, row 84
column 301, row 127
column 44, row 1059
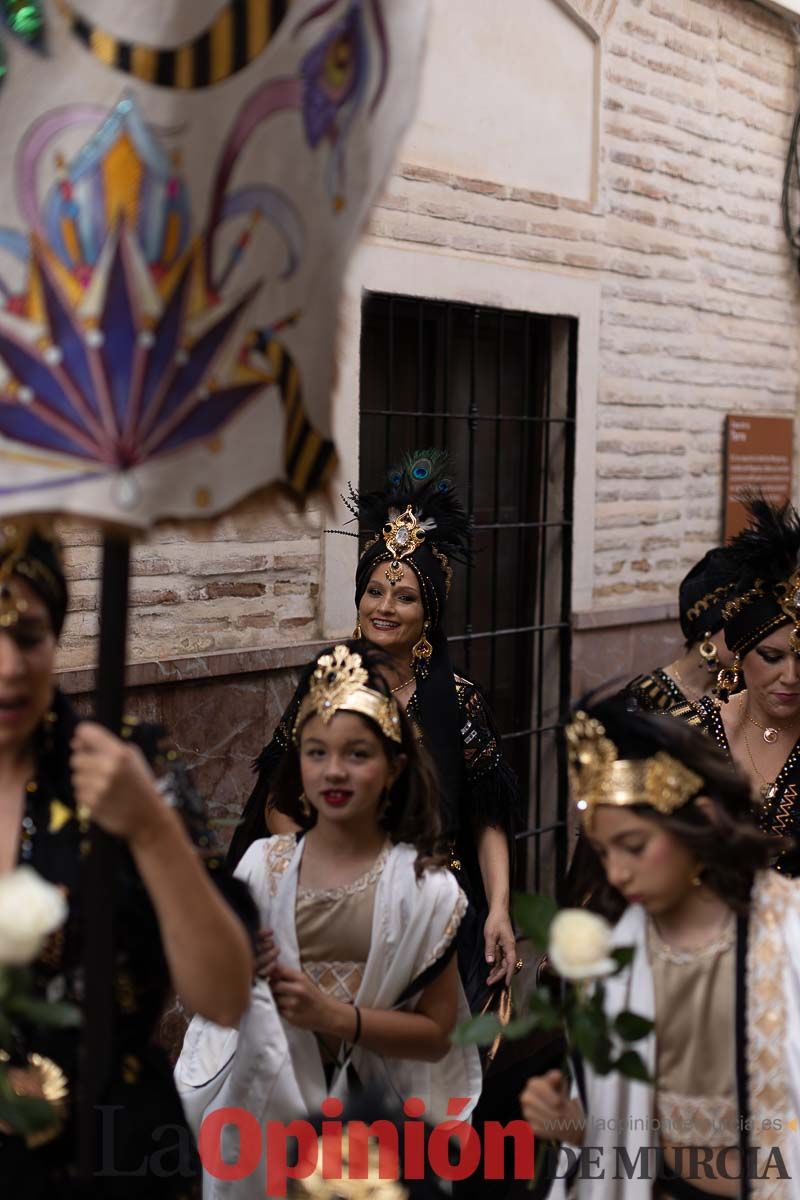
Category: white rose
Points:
column 580, row 945
column 30, row 909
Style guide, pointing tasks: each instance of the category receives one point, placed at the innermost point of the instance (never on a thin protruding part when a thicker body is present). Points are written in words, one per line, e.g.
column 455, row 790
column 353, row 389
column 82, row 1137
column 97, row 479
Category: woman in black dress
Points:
column 173, row 926
column 758, row 728
column 701, row 598
column 414, row 528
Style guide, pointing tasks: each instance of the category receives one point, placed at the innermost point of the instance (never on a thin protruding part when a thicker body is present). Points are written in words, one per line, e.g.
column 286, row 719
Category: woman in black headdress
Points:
column 173, row 928
column 415, row 527
column 758, row 728
column 701, row 598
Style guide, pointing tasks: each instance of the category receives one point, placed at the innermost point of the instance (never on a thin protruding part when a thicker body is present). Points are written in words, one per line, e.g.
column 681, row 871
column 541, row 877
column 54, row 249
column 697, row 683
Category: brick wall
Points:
column 248, row 580
column 699, row 317
column 699, row 294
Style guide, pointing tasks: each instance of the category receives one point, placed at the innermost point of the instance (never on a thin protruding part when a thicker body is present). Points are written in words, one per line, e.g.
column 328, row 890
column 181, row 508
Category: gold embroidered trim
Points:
column 767, row 1033
column 449, row 933
column 315, row 895
column 739, row 602
column 711, row 1121
column 278, row 853
column 710, row 598
column 341, row 980
column 722, row 942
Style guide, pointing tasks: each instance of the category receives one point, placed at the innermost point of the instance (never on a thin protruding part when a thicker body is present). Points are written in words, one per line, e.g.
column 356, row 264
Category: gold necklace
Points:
column 769, row 790
column 690, row 693
column 400, row 687
column 771, row 733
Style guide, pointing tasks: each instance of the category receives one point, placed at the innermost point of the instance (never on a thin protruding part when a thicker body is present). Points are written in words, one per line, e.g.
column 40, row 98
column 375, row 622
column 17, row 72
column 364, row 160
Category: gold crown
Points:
column 598, row 776
column 339, row 684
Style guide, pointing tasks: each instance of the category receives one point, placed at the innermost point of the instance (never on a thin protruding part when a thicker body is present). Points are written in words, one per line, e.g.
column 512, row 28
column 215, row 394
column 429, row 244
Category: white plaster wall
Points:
column 509, row 94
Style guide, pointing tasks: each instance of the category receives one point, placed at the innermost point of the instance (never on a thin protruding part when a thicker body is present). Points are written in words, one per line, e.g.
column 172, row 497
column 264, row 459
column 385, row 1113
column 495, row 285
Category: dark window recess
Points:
column 497, row 390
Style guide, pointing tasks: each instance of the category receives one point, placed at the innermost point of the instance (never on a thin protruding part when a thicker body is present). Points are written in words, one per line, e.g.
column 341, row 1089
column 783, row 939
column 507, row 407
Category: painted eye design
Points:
column 339, row 64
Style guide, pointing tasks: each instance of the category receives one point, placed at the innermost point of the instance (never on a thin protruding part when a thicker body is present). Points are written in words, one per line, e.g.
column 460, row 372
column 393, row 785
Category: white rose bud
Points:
column 30, row 910
column 580, row 945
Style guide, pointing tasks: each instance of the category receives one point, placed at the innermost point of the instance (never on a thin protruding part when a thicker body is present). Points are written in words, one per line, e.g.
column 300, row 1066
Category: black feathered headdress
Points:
column 416, row 519
column 765, row 560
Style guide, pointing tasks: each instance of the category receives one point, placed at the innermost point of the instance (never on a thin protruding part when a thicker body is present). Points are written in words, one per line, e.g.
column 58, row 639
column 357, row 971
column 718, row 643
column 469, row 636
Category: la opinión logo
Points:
column 296, row 1150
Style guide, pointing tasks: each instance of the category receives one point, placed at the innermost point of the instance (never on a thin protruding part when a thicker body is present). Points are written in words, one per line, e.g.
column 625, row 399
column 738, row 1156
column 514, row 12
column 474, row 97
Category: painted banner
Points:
column 184, row 182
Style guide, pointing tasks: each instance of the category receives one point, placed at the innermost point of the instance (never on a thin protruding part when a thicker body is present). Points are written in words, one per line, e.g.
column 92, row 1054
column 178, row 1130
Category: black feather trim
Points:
column 769, row 548
column 433, row 499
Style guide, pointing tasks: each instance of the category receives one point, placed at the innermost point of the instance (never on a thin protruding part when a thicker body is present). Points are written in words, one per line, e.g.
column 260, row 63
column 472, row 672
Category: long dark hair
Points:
column 411, row 814
column 722, row 835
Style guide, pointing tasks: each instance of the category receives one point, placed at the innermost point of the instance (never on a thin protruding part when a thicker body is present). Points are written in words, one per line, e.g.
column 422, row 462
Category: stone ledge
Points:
column 195, row 667
column 647, row 614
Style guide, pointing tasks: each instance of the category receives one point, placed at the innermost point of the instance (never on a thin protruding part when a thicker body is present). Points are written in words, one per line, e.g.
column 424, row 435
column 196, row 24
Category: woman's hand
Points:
column 114, row 785
column 547, row 1108
column 301, row 1003
column 501, row 947
column 267, row 954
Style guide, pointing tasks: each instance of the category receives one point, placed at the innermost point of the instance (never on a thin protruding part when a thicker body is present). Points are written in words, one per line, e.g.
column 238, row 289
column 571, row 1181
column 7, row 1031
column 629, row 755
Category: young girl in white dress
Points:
column 359, row 918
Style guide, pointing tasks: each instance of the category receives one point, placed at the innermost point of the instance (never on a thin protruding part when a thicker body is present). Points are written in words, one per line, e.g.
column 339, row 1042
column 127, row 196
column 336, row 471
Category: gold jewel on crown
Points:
column 598, row 776
column 788, row 596
column 403, row 534
column 339, row 684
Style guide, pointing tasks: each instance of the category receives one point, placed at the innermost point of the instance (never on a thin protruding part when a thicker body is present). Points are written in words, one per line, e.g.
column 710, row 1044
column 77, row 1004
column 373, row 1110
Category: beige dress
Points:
column 696, row 1100
column 334, row 930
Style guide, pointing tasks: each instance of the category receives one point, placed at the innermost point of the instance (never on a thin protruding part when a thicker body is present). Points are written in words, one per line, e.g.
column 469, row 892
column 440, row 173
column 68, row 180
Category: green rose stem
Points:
column 579, row 1010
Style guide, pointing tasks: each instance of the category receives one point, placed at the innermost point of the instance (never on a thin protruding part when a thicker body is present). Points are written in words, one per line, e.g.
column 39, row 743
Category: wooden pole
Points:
column 100, row 865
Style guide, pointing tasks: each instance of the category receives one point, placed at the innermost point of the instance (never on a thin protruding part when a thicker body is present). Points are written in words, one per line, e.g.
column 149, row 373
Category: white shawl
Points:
column 620, row 1111
column 414, row 921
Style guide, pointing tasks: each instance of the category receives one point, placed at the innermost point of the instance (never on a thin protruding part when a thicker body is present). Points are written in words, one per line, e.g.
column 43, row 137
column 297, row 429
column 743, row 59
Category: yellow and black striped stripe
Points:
column 237, row 36
column 310, row 459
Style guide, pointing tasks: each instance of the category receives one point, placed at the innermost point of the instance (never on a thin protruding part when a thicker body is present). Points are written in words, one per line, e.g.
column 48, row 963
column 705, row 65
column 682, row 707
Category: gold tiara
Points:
column 339, row 684
column 598, row 776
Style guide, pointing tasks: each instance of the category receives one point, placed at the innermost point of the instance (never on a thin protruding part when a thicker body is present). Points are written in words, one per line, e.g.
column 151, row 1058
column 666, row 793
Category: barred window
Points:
column 496, row 389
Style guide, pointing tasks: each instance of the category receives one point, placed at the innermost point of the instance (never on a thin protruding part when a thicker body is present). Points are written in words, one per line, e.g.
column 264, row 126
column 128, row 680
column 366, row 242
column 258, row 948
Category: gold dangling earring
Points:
column 305, row 807
column 421, row 654
column 728, row 680
column 357, row 634
column 708, row 655
column 697, row 878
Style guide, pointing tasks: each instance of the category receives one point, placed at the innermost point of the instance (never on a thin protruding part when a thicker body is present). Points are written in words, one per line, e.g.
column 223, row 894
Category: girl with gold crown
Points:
column 758, row 727
column 716, row 968
column 416, row 527
column 358, row 975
